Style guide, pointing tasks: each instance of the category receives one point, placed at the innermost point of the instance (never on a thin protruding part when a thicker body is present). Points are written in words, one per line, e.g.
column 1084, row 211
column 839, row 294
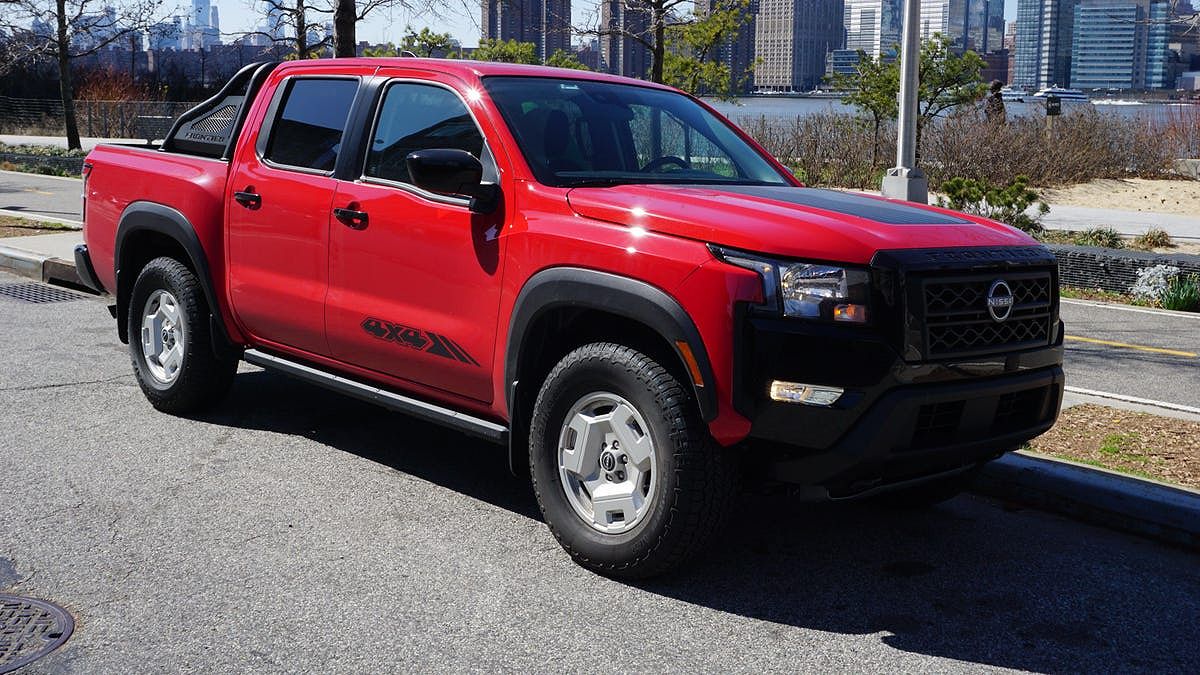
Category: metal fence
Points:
column 99, row 119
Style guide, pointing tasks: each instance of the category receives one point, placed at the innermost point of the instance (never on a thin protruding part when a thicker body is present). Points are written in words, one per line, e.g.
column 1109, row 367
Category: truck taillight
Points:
column 84, row 173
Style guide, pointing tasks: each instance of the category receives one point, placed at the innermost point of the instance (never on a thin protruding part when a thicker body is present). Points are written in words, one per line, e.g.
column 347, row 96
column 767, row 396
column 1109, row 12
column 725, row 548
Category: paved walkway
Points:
column 61, row 141
column 1125, row 222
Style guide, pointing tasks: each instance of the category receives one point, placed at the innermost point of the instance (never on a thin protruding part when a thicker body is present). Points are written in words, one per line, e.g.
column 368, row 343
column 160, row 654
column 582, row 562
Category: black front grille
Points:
column 956, row 321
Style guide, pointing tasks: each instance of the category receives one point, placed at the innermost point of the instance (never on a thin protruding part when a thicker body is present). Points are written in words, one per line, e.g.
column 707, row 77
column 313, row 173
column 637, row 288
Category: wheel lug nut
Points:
column 624, row 459
column 620, row 476
column 610, row 478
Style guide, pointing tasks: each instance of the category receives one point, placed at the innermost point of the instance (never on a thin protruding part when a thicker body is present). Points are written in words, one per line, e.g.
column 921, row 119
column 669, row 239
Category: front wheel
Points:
column 170, row 342
column 626, row 475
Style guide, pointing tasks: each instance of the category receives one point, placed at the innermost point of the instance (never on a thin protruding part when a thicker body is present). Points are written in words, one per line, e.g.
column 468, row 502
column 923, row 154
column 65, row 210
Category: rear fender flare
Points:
column 148, row 216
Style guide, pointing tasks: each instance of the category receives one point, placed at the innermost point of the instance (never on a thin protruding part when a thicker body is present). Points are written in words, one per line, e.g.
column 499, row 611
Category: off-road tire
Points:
column 204, row 378
column 696, row 481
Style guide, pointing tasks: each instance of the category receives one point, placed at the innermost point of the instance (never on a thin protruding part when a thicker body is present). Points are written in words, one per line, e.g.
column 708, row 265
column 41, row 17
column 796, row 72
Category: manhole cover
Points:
column 29, row 630
column 38, row 294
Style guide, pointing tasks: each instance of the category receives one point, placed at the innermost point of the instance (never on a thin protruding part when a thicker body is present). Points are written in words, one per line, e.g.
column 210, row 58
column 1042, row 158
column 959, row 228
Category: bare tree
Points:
column 65, row 30
column 656, row 24
column 305, row 16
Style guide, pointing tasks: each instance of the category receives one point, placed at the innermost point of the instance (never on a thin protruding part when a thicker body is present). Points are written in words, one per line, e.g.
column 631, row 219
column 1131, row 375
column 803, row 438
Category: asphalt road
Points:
column 292, row 529
column 41, row 195
column 1156, row 354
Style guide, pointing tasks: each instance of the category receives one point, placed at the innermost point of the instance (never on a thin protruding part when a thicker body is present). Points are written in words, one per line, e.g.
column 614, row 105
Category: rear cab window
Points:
column 306, row 132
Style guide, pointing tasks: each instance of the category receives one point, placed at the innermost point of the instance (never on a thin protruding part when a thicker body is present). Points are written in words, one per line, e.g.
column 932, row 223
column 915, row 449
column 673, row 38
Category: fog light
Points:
column 808, row 394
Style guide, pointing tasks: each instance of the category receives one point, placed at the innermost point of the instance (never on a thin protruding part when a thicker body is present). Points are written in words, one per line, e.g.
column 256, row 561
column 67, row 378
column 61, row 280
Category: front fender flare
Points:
column 591, row 289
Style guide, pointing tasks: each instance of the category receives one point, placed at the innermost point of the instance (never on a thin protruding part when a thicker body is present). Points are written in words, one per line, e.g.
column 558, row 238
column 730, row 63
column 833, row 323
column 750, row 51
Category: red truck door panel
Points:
column 281, row 192
column 414, row 277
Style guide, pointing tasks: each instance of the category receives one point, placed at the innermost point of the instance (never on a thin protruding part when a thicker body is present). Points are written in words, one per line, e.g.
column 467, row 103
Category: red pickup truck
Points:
column 602, row 274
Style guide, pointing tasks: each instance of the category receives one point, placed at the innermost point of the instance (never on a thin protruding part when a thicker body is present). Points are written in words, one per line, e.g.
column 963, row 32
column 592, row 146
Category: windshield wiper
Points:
column 597, row 182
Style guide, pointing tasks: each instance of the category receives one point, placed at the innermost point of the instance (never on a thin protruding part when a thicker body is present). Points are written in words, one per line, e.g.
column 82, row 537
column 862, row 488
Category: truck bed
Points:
column 120, row 175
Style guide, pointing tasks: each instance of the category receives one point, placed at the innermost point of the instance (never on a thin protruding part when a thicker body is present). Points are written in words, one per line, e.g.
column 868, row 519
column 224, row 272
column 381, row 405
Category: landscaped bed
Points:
column 11, row 226
column 1136, row 443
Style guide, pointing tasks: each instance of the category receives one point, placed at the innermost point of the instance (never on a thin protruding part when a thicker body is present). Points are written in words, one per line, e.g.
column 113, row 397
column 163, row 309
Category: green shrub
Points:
column 1182, row 293
column 1104, row 237
column 1153, row 238
column 1008, row 204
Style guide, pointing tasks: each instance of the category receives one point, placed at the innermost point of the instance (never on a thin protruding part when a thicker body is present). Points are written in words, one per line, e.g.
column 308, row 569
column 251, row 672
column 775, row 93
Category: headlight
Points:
column 807, row 290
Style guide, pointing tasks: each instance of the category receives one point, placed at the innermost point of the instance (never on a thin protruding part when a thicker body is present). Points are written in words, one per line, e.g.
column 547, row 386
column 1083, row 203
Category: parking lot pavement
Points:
column 34, row 195
column 292, row 529
column 1133, row 351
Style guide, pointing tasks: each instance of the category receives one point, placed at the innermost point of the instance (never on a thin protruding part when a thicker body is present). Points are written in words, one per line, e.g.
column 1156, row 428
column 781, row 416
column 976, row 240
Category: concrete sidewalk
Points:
column 45, row 257
column 61, row 141
column 1128, row 223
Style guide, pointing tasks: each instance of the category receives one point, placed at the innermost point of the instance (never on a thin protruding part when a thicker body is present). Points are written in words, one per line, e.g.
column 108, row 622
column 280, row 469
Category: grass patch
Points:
column 1101, row 295
column 1139, row 444
column 1153, row 238
column 11, row 226
column 1104, row 237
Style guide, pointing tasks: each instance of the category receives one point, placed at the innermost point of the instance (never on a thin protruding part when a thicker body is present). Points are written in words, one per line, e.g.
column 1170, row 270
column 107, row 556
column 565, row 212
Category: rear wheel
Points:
column 624, row 470
column 170, row 341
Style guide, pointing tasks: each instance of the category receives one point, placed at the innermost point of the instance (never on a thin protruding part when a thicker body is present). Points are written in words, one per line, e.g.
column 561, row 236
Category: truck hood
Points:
column 790, row 221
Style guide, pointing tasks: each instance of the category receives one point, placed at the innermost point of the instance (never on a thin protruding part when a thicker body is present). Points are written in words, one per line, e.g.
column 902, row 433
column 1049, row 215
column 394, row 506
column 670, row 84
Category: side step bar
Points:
column 429, row 412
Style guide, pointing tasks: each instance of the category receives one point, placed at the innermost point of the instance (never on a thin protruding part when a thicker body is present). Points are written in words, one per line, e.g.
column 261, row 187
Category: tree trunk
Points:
column 65, row 88
column 301, row 31
column 659, row 17
column 344, row 17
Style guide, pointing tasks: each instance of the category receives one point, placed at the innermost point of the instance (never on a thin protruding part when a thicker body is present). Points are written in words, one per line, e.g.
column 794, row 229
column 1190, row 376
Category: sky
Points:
column 460, row 18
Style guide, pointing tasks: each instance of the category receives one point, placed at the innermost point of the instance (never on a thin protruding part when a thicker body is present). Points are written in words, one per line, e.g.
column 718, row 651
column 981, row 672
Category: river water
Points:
column 782, row 108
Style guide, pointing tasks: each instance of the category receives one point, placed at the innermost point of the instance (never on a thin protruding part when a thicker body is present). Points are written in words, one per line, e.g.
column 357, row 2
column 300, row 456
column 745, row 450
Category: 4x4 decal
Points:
column 415, row 338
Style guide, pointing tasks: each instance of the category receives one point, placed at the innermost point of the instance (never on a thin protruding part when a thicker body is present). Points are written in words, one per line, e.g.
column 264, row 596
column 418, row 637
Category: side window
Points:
column 307, row 132
column 420, row 117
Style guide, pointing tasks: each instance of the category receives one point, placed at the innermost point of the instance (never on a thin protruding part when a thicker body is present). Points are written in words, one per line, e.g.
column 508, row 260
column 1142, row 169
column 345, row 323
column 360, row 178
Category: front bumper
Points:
column 897, row 421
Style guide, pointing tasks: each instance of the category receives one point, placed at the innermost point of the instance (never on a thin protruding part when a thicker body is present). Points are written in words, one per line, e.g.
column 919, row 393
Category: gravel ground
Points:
column 294, row 530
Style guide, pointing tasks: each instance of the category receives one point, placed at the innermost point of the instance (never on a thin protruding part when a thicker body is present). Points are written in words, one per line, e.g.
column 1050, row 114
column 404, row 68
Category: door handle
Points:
column 356, row 220
column 249, row 199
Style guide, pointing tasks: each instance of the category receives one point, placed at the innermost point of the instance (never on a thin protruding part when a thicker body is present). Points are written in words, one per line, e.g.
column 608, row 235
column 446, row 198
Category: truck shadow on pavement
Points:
column 971, row 580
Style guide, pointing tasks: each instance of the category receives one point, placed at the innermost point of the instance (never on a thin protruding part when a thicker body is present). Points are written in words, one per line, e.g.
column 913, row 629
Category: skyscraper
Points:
column 1043, row 43
column 1121, row 44
column 971, row 24
column 873, row 26
column 620, row 53
column 738, row 51
column 792, row 38
column 545, row 23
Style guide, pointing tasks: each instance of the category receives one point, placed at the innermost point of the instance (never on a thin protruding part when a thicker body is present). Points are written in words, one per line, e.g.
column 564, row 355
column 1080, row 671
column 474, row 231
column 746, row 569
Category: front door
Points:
column 280, row 197
column 414, row 277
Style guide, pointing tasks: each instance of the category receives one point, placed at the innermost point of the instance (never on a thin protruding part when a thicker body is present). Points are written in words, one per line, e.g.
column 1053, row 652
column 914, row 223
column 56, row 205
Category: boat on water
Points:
column 1013, row 94
column 1062, row 94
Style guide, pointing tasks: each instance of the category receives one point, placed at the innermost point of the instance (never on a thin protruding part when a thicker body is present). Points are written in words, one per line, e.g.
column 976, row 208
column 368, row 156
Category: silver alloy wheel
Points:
column 164, row 336
column 606, row 462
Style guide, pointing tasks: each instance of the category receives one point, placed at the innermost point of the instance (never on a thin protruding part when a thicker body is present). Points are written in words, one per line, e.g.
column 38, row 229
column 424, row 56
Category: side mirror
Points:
column 452, row 172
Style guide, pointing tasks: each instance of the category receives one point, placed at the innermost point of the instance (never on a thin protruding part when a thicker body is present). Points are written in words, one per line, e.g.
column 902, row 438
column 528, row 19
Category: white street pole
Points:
column 905, row 180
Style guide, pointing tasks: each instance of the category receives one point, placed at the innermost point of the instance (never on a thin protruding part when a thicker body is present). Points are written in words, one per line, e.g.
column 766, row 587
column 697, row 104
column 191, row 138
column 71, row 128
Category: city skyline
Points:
column 463, row 22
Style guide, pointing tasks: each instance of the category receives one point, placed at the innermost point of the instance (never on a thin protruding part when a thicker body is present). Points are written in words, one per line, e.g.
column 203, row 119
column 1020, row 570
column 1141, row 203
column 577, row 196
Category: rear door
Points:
column 414, row 288
column 281, row 191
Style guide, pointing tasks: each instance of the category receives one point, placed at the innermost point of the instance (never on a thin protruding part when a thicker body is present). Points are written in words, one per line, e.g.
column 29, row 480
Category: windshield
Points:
column 581, row 132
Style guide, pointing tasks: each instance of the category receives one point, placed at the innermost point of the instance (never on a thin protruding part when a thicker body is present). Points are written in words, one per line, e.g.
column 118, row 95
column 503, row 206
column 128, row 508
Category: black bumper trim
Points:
column 878, row 449
column 85, row 270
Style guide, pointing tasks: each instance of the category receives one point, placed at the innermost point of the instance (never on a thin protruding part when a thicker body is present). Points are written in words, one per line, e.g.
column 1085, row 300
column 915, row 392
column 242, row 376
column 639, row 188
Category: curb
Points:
column 39, row 267
column 1147, row 508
